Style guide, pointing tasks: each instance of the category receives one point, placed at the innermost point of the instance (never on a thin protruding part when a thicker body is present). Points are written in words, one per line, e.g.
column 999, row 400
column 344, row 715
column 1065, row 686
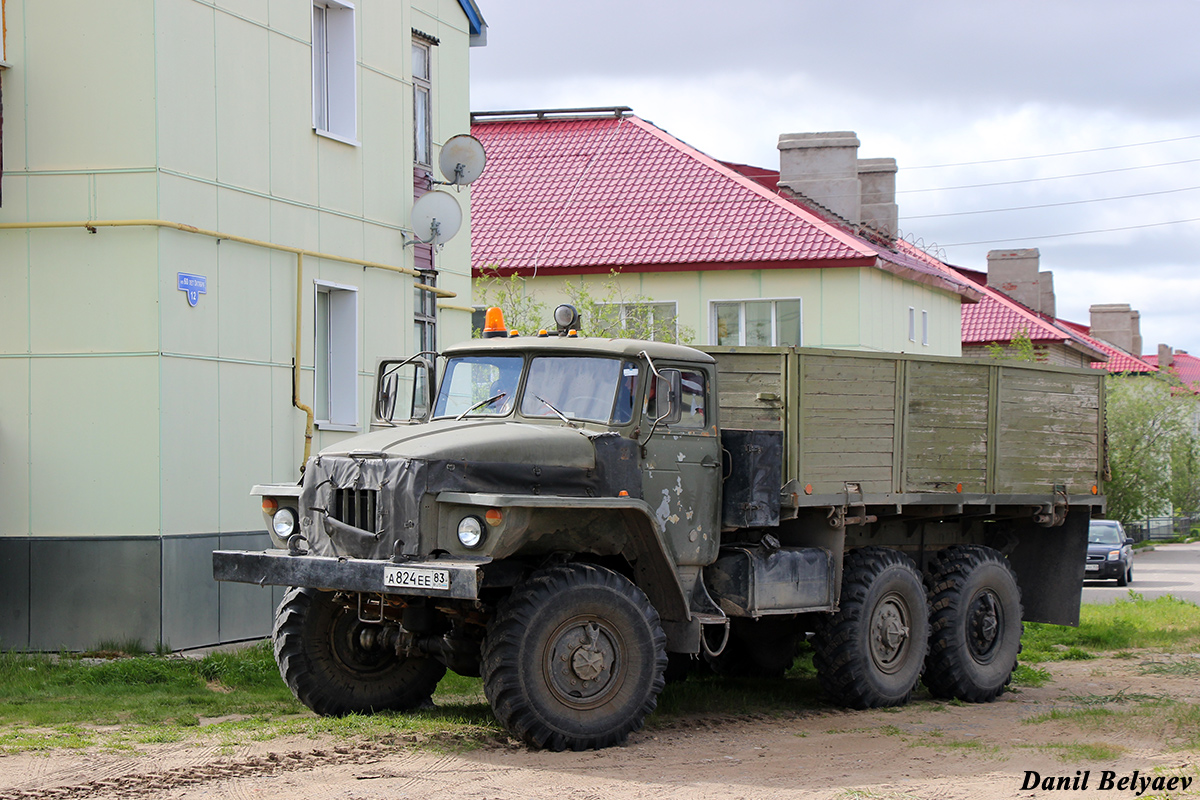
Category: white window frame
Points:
column 423, row 84
column 334, row 71
column 335, row 356
column 624, row 310
column 925, row 327
column 424, row 313
column 774, row 301
column 912, row 324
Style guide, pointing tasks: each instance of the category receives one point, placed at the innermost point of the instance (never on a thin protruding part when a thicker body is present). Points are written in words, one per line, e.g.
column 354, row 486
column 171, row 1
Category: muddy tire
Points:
column 574, row 659
column 335, row 665
column 871, row 652
column 975, row 619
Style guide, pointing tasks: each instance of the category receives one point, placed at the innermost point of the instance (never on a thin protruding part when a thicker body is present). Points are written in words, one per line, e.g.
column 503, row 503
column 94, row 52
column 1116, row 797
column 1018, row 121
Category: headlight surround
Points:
column 284, row 523
column 470, row 532
column 1114, row 555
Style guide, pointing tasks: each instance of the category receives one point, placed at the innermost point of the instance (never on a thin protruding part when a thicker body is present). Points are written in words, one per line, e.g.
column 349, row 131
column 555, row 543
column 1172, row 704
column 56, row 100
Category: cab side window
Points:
column 680, row 394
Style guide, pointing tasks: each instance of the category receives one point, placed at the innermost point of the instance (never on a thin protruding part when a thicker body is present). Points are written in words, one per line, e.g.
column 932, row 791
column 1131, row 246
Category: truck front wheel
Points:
column 337, row 665
column 871, row 652
column 975, row 614
column 574, row 658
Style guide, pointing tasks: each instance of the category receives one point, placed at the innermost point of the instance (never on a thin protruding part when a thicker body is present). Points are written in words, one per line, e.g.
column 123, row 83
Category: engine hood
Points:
column 494, row 441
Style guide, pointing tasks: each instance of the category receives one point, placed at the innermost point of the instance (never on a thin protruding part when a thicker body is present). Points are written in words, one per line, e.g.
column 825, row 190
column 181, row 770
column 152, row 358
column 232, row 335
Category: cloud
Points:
column 934, row 83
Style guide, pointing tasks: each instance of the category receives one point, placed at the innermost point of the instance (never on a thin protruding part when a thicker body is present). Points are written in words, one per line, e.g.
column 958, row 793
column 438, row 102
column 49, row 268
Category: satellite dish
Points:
column 436, row 218
column 462, row 159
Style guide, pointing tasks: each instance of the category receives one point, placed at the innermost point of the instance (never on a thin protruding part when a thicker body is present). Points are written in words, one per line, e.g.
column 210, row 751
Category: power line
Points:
column 1073, row 233
column 1050, row 205
column 1050, row 178
column 1055, row 155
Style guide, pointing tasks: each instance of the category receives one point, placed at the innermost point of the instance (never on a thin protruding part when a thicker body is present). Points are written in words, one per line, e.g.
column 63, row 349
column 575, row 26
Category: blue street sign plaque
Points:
column 194, row 285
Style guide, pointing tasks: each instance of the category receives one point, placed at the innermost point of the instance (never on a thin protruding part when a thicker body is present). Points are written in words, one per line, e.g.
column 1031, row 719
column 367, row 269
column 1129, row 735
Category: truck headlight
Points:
column 284, row 523
column 470, row 532
column 1114, row 555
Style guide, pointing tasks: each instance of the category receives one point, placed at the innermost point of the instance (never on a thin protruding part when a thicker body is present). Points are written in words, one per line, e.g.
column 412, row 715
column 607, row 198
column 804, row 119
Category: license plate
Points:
column 416, row 578
column 1093, row 567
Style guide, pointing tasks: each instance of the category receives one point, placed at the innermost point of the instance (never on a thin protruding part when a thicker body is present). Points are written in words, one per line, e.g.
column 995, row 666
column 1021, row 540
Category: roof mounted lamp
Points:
column 566, row 317
column 493, row 324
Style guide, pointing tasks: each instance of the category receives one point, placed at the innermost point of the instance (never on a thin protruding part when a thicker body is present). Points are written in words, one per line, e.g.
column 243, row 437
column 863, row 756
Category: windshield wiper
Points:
column 481, row 404
column 550, row 406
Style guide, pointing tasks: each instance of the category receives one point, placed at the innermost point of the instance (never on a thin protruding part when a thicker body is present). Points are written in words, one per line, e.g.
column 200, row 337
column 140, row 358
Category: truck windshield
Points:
column 593, row 389
column 484, row 386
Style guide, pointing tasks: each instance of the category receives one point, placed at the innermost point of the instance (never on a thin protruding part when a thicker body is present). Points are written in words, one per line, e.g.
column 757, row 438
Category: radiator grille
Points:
column 355, row 507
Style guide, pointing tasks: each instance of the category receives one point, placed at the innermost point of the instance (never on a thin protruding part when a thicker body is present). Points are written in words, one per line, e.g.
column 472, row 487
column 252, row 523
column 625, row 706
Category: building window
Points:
column 658, row 322
column 333, row 70
column 912, row 324
column 925, row 328
column 425, row 313
column 757, row 322
column 422, row 102
column 335, row 357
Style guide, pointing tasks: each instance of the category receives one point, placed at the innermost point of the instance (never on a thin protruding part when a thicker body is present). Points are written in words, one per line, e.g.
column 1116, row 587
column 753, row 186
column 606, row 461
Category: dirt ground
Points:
column 926, row 750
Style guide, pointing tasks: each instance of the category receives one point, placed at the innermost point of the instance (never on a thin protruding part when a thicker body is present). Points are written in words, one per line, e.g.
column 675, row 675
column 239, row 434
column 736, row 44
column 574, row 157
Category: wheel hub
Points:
column 359, row 647
column 583, row 662
column 983, row 626
column 889, row 634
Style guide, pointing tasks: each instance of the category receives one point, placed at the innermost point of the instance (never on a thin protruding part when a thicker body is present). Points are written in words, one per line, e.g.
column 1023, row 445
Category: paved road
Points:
column 1169, row 569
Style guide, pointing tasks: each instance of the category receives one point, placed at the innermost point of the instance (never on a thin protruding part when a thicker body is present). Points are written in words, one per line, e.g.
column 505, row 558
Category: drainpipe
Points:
column 91, row 225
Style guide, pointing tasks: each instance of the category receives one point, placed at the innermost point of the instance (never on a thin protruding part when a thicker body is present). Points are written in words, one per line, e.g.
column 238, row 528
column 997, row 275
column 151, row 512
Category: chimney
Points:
column 1119, row 325
column 823, row 167
column 1165, row 357
column 1046, row 304
column 877, row 207
column 1015, row 273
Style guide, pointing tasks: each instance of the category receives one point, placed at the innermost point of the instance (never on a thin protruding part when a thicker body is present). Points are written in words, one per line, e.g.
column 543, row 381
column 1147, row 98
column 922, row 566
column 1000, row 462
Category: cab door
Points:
column 681, row 476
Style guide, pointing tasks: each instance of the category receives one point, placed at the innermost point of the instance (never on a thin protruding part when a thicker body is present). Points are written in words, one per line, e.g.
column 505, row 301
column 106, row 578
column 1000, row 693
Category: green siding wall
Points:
column 853, row 308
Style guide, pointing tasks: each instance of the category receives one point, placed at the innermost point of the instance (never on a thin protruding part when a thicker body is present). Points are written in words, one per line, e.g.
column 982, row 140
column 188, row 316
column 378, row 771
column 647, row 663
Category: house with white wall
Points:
column 205, row 247
column 803, row 255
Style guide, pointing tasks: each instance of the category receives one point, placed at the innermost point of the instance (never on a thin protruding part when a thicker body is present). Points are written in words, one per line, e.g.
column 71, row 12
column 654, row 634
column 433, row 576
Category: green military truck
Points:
column 575, row 518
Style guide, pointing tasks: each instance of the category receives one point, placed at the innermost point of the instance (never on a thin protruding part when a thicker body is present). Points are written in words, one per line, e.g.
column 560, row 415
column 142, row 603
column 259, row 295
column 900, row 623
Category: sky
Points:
column 1072, row 127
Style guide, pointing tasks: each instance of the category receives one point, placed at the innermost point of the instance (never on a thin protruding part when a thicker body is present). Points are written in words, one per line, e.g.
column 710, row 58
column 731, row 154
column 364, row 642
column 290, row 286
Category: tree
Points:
column 1021, row 348
column 1153, row 448
column 607, row 310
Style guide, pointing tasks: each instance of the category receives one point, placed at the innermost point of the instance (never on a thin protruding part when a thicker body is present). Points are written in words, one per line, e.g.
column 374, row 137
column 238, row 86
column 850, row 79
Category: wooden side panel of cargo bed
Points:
column 1048, row 433
column 946, row 427
column 751, row 390
column 848, row 409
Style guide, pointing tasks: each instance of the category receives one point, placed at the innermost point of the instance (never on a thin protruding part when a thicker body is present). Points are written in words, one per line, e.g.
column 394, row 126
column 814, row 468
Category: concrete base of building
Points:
column 76, row 593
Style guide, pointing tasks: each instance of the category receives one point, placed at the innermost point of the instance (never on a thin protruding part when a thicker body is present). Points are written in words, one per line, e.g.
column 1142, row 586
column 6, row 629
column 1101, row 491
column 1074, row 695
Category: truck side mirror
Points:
column 665, row 406
column 396, row 376
column 385, row 401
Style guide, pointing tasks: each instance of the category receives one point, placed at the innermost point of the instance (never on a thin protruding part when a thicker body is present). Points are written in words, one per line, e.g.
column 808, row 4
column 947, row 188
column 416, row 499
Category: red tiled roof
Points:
column 1184, row 366
column 569, row 196
column 1119, row 361
column 998, row 318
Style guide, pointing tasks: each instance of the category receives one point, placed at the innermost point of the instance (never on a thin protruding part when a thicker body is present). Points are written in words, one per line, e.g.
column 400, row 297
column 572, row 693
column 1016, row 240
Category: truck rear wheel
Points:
column 337, row 665
column 871, row 652
column 975, row 616
column 574, row 658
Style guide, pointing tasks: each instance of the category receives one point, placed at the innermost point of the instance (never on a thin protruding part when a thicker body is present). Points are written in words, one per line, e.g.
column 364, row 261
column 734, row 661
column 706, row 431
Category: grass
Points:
column 69, row 701
column 1156, row 716
column 1135, row 623
column 1080, row 752
column 117, row 703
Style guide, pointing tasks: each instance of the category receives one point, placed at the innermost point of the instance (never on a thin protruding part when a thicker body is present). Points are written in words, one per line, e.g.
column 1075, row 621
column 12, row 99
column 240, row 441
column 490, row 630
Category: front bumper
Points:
column 1103, row 570
column 458, row 578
